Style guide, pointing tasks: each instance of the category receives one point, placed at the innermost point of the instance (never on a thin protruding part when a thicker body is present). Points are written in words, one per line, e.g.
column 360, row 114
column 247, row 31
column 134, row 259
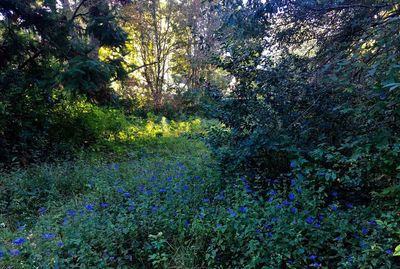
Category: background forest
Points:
column 199, row 134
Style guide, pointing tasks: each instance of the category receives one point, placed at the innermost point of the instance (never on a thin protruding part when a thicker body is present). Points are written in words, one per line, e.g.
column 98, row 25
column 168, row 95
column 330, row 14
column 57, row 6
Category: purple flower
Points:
column 60, row 243
column 19, row 241
column 293, row 164
column 15, row 252
column 294, row 210
column 104, row 205
column 334, row 194
column 48, row 236
column 317, row 264
column 313, row 257
column 120, row 190
column 364, row 230
column 1, row 254
column 291, row 196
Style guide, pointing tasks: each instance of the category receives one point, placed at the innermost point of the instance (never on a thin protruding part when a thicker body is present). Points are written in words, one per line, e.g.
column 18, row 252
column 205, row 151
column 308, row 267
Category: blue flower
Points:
column 89, row 207
column 242, row 209
column 273, row 192
column 389, row 251
column 294, row 210
column 231, row 212
column 313, row 257
column 104, row 205
column 333, row 207
column 71, row 212
column 19, row 241
column 127, row 194
column 169, row 179
column 131, row 208
column 334, row 194
column 291, row 196
column 310, row 219
column 219, row 197
column 48, row 236
column 206, row 200
column 372, row 222
column 60, row 243
column 1, row 254
column 293, row 164
column 120, row 190
column 339, row 238
column 349, row 205
column 42, row 210
column 317, row 264
column 247, row 187
column 187, row 223
column 15, row 252
column 364, row 230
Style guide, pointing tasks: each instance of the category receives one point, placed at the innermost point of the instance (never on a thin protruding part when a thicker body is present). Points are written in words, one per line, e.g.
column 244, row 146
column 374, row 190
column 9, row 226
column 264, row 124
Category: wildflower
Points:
column 247, row 187
column 131, row 208
column 120, row 190
column 219, row 197
column 60, row 243
column 388, row 251
column 333, row 207
column 1, row 254
column 349, row 205
column 206, row 200
column 317, row 264
column 242, row 209
column 291, row 196
column 372, row 222
column 218, row 225
column 270, row 199
column 169, row 179
column 104, row 205
column 48, row 236
column 15, row 252
column 19, row 241
column 294, row 210
column 292, row 182
column 22, row 227
column 299, row 190
column 187, row 223
column 273, row 192
column 313, row 257
column 42, row 210
column 293, row 164
column 231, row 212
column 89, row 207
column 71, row 212
column 310, row 220
column 334, row 194
column 127, row 194
column 285, row 202
column 339, row 238
column 364, row 231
